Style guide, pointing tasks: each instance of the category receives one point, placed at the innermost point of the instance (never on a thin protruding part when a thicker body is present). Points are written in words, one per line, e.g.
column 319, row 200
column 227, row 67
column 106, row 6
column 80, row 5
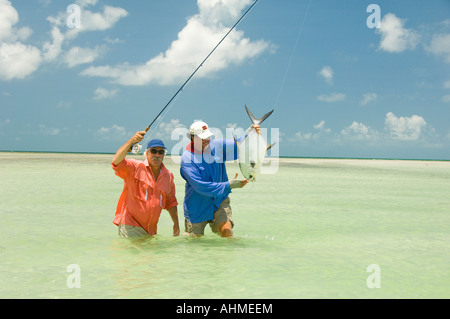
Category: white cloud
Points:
column 320, row 131
column 440, row 45
column 18, row 60
column 96, row 21
column 368, row 97
column 113, row 41
column 164, row 129
column 446, row 85
column 48, row 130
column 90, row 21
column 76, row 55
column 446, row 98
column 221, row 12
column 53, row 49
column 404, row 128
column 45, row 3
column 85, row 3
column 115, row 132
column 334, row 97
column 359, row 131
column 394, row 37
column 102, row 93
column 321, row 127
column 398, row 131
column 21, row 34
column 5, row 122
column 327, row 73
column 303, row 136
column 8, row 18
column 64, row 105
column 194, row 42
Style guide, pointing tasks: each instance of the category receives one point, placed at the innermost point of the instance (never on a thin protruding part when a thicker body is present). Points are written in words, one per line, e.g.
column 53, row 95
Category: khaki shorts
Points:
column 222, row 214
column 131, row 231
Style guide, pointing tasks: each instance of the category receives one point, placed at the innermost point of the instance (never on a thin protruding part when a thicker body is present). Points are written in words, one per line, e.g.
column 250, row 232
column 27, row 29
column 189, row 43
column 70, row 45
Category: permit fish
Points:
column 252, row 149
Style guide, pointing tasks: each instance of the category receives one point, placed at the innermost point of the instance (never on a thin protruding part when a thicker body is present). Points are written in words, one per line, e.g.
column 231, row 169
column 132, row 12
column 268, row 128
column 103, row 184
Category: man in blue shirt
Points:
column 207, row 185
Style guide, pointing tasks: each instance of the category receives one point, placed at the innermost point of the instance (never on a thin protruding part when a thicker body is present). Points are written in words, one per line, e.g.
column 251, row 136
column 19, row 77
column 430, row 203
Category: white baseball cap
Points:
column 200, row 129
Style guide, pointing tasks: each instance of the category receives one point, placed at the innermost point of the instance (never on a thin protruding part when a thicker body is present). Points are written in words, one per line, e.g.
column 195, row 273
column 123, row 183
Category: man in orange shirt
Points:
column 148, row 189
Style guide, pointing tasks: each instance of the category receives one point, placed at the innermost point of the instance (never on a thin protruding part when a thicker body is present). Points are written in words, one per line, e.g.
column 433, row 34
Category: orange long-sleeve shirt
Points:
column 143, row 198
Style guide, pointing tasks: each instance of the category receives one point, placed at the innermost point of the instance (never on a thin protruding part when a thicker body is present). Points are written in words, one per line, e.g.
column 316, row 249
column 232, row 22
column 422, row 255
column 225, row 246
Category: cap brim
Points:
column 154, row 146
column 205, row 134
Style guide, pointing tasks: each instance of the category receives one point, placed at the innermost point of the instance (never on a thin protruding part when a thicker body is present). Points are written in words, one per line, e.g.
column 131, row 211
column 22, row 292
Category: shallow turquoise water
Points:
column 308, row 231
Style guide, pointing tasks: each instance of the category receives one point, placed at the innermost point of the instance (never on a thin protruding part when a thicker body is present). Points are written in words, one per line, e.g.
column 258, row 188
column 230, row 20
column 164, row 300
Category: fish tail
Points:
column 256, row 121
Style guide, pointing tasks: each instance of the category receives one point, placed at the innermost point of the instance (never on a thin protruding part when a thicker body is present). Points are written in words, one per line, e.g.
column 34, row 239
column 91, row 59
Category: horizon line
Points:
column 304, row 157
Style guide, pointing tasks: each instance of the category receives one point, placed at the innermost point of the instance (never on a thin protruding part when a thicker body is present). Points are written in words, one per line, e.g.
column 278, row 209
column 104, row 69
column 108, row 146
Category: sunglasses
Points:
column 160, row 152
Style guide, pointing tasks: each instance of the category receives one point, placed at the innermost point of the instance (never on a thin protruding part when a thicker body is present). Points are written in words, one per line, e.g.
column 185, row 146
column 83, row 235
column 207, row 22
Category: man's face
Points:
column 155, row 155
column 200, row 144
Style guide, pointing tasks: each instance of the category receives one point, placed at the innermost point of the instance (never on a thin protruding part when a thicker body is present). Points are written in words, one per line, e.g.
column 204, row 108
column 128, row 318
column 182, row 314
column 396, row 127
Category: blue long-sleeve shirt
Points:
column 206, row 179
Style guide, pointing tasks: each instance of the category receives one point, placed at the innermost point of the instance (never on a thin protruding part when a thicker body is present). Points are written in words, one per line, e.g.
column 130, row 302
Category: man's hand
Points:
column 139, row 136
column 257, row 128
column 176, row 230
column 237, row 183
column 124, row 149
column 173, row 212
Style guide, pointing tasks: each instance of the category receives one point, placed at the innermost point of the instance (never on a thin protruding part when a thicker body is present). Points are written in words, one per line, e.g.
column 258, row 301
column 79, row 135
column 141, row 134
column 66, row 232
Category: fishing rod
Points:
column 136, row 147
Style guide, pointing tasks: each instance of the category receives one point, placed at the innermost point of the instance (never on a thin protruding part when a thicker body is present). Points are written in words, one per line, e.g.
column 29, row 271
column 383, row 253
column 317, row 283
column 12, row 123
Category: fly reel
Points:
column 136, row 149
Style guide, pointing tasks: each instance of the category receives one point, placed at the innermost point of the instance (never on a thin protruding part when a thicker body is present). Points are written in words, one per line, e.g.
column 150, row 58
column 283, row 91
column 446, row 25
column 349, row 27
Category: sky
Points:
column 351, row 78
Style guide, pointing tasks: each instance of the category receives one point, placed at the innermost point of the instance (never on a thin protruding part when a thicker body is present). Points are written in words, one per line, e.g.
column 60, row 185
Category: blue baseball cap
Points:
column 156, row 143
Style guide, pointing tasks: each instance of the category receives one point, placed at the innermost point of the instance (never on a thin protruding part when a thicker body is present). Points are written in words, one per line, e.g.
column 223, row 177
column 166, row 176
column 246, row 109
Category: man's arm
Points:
column 123, row 150
column 211, row 189
column 173, row 211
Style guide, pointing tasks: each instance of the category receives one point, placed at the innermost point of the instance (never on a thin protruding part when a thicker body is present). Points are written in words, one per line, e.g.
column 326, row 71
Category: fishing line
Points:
column 293, row 52
column 189, row 78
column 158, row 122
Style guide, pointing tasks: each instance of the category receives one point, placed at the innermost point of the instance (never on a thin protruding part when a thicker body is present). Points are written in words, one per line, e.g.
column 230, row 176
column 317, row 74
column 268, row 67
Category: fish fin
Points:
column 256, row 121
column 264, row 117
column 252, row 117
column 270, row 146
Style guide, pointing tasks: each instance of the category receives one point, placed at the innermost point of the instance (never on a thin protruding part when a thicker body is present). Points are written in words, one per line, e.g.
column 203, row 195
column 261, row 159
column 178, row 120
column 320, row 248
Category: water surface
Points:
column 308, row 231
